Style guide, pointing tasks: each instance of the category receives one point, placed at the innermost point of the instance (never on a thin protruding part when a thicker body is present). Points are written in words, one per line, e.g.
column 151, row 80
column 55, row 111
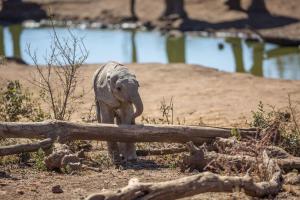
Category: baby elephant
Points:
column 116, row 91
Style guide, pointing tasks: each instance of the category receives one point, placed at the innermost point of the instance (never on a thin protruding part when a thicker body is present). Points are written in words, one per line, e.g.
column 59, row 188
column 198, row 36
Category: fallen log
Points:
column 68, row 131
column 199, row 158
column 21, row 148
column 193, row 185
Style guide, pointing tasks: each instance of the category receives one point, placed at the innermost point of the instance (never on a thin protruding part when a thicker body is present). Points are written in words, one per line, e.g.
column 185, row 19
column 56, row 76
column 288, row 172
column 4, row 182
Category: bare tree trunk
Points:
column 255, row 7
column 68, row 131
column 234, row 4
column 132, row 10
column 174, row 8
column 258, row 6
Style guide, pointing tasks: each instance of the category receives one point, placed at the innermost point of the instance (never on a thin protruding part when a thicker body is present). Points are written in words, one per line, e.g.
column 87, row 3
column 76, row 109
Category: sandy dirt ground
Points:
column 282, row 21
column 201, row 95
column 26, row 184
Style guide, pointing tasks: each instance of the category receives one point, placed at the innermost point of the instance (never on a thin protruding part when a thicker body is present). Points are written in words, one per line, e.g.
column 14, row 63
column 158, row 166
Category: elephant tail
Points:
column 98, row 111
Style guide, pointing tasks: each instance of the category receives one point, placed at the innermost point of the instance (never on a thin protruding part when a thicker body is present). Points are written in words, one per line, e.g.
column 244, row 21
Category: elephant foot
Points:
column 128, row 151
column 116, row 160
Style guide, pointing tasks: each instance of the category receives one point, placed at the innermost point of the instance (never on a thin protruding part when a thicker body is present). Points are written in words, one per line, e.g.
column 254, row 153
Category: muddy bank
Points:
column 280, row 25
column 200, row 95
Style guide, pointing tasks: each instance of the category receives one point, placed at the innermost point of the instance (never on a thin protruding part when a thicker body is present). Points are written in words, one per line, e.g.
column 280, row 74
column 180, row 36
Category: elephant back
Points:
column 101, row 85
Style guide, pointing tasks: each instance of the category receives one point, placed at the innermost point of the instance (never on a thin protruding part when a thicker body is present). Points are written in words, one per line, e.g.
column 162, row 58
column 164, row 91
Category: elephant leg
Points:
column 128, row 150
column 121, row 145
column 107, row 116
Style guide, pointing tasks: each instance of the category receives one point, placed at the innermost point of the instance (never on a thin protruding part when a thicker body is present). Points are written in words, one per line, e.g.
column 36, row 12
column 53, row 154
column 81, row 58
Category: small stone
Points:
column 20, row 192
column 57, row 189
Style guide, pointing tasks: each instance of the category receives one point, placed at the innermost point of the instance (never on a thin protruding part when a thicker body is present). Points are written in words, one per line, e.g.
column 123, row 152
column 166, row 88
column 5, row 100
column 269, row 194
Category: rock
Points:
column 57, row 189
column 54, row 160
column 20, row 192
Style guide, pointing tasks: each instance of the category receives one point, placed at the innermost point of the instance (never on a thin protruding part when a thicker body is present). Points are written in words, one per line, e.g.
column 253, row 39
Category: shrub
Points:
column 59, row 79
column 280, row 124
column 18, row 104
column 38, row 158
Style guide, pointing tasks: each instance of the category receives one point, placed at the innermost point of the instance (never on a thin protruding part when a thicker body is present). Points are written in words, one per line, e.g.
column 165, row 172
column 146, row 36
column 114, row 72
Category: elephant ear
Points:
column 136, row 81
column 112, row 80
column 104, row 92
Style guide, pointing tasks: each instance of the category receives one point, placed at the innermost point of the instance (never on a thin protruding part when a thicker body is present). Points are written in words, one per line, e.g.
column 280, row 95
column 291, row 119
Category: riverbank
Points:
column 281, row 25
column 200, row 95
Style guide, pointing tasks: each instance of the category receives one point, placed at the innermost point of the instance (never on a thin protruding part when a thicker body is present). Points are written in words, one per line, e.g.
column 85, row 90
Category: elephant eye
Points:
column 119, row 88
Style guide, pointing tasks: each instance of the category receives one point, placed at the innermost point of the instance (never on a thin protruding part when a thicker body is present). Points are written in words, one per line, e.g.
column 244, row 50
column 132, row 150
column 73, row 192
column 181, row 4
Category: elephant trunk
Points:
column 138, row 104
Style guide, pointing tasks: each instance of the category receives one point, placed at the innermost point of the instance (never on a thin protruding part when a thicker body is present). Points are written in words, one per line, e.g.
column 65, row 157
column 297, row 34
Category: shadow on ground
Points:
column 254, row 21
column 142, row 164
column 18, row 11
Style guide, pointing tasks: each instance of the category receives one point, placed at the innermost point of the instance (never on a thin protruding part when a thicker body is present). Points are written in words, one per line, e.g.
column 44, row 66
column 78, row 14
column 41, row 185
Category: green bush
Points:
column 38, row 158
column 261, row 118
column 284, row 123
column 18, row 104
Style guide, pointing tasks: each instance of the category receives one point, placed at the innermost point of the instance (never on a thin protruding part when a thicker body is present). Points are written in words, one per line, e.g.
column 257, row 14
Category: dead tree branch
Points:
column 193, row 185
column 21, row 148
column 199, row 159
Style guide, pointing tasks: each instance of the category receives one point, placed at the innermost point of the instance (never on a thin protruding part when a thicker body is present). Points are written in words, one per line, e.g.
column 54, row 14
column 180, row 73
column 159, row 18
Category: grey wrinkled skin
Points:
column 116, row 95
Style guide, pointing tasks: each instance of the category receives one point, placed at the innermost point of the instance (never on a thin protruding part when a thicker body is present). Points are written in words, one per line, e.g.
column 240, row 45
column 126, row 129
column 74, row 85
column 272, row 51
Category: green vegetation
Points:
column 167, row 114
column 235, row 133
column 102, row 160
column 17, row 104
column 38, row 158
column 278, row 127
